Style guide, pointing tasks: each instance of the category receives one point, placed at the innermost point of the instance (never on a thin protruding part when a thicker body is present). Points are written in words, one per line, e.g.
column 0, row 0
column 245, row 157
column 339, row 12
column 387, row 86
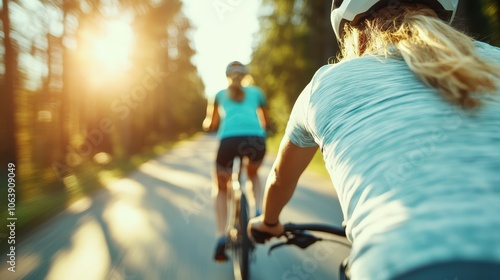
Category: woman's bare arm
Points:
column 212, row 119
column 264, row 119
column 289, row 165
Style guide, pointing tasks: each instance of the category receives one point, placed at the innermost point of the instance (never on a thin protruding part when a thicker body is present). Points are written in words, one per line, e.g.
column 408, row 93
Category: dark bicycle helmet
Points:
column 354, row 11
column 235, row 67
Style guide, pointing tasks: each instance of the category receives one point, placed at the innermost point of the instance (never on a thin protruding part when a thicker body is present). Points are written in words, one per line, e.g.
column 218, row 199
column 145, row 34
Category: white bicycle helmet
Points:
column 354, row 11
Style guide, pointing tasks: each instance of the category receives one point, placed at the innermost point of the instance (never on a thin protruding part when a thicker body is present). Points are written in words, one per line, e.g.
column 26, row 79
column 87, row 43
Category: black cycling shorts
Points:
column 252, row 147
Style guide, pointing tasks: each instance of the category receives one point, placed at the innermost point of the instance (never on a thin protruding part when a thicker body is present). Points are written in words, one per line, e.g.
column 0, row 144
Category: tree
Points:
column 296, row 39
column 62, row 119
column 9, row 147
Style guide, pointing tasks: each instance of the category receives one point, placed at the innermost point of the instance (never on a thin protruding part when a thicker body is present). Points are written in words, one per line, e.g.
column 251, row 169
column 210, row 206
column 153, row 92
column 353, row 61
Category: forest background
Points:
column 75, row 114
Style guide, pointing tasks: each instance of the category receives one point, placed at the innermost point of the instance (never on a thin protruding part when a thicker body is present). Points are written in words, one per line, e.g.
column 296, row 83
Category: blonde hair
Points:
column 441, row 56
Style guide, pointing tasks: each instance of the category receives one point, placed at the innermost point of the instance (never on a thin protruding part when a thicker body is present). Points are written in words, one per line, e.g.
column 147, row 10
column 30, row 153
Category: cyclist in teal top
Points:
column 408, row 124
column 240, row 115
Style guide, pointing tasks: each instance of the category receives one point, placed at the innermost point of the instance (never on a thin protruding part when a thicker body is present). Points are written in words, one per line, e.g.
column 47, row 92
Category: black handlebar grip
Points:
column 260, row 236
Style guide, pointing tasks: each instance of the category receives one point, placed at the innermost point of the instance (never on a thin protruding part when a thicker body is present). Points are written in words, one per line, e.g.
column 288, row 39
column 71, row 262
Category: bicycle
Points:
column 300, row 236
column 238, row 241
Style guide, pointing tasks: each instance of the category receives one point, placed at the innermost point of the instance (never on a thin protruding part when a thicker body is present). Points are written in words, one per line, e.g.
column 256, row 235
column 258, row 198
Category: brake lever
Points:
column 276, row 246
column 300, row 239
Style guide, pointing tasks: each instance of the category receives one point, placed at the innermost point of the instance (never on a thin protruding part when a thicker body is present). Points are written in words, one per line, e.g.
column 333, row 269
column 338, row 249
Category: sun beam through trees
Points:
column 87, row 86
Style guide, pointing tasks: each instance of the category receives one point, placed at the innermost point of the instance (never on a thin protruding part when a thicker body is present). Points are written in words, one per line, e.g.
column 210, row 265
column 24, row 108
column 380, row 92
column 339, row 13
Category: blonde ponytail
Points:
column 441, row 56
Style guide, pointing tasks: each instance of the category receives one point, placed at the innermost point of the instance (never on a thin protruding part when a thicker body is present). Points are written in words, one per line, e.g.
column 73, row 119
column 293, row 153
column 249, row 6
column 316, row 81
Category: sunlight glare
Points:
column 221, row 36
column 86, row 257
column 113, row 49
column 105, row 51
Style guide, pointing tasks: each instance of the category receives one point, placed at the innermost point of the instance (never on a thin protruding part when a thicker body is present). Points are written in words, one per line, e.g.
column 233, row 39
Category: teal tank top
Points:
column 240, row 118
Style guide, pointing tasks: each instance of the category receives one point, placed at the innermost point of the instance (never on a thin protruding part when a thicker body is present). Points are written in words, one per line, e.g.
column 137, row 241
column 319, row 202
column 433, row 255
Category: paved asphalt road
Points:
column 158, row 223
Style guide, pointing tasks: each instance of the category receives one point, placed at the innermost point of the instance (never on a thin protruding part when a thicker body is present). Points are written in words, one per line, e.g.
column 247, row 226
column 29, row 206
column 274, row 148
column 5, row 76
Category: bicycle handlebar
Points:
column 297, row 234
column 335, row 230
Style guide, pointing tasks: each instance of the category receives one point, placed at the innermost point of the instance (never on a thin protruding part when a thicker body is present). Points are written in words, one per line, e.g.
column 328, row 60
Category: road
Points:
column 158, row 223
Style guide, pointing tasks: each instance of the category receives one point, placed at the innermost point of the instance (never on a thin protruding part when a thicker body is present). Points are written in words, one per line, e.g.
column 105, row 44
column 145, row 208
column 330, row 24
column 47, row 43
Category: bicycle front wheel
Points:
column 242, row 251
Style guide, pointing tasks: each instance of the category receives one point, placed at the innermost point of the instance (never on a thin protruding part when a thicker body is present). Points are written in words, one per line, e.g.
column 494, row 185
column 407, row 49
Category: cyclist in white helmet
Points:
column 408, row 123
column 240, row 115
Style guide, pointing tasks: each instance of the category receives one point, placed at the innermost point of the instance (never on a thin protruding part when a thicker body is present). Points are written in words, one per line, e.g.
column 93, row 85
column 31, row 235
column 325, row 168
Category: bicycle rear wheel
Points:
column 241, row 252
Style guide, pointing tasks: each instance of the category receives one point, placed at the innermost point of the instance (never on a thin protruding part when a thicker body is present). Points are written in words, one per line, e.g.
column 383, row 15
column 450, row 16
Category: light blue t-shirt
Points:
column 418, row 179
column 240, row 118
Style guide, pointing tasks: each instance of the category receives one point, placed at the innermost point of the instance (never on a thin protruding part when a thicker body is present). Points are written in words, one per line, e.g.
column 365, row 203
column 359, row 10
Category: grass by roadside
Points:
column 83, row 182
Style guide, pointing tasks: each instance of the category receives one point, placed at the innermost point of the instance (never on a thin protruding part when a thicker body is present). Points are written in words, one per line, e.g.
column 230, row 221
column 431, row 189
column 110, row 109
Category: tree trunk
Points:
column 9, row 151
column 64, row 119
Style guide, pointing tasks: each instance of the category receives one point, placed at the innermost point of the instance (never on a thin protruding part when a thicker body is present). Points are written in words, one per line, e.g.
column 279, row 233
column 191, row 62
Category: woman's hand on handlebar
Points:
column 261, row 232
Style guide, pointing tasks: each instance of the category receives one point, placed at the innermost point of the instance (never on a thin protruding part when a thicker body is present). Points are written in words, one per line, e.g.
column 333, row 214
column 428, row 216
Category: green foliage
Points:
column 295, row 40
column 84, row 102
column 491, row 11
column 471, row 19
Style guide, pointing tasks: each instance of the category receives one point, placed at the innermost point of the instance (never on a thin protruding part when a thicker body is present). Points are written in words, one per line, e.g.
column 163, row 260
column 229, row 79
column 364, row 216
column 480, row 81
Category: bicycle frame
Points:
column 238, row 220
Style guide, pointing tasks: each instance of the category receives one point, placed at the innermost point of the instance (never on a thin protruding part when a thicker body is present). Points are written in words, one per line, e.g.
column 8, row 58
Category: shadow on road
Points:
column 158, row 224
